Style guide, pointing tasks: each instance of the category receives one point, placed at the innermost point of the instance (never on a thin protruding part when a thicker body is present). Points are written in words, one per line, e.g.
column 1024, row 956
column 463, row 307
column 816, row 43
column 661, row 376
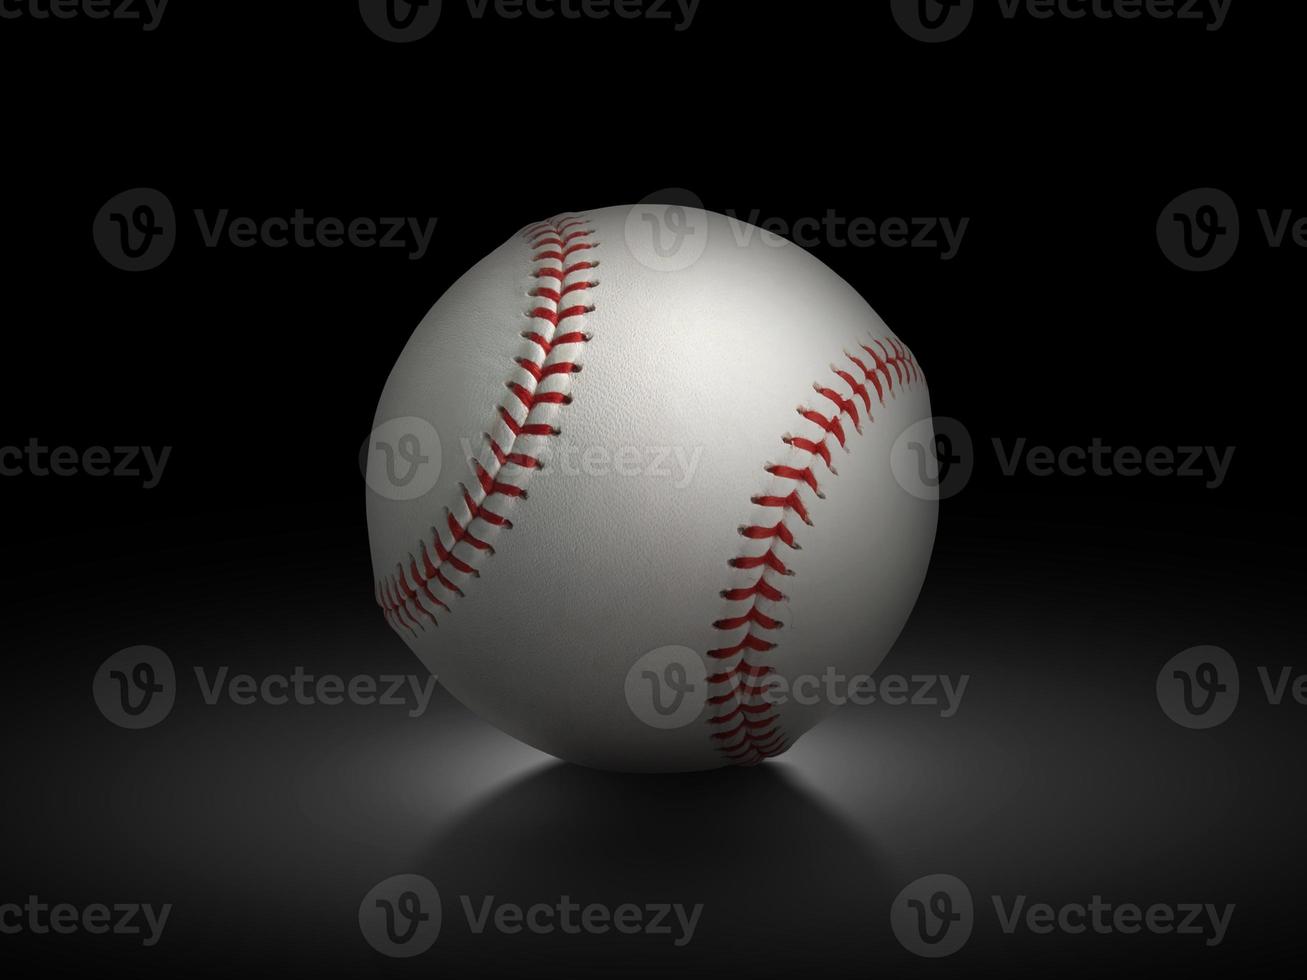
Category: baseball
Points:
column 631, row 489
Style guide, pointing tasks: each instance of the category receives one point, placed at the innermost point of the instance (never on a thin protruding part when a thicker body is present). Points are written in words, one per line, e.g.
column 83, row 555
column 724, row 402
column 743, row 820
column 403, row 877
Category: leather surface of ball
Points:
column 631, row 481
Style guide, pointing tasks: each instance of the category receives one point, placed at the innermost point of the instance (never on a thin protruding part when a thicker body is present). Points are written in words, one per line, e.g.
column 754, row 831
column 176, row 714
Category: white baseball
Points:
column 664, row 475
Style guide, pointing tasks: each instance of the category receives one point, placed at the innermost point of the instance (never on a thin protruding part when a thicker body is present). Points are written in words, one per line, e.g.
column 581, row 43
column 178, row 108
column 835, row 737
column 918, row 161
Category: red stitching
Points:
column 406, row 596
column 754, row 731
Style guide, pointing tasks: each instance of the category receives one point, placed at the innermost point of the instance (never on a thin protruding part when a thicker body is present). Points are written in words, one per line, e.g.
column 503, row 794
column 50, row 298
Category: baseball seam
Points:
column 747, row 728
column 414, row 595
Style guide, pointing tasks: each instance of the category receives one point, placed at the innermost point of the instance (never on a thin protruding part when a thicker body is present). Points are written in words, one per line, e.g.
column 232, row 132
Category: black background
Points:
column 1060, row 320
